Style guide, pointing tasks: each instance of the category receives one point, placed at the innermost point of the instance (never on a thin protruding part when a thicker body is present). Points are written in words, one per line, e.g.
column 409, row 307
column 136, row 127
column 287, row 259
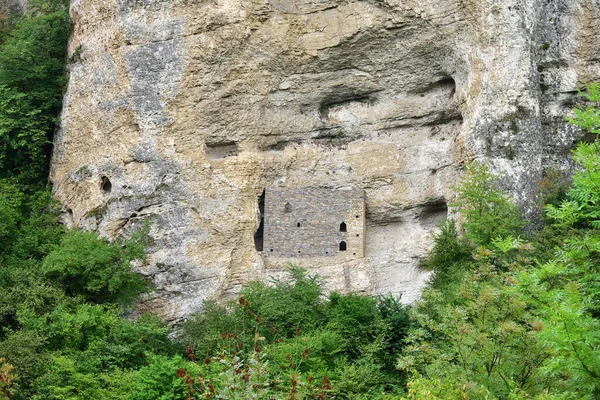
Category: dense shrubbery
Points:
column 32, row 56
column 287, row 339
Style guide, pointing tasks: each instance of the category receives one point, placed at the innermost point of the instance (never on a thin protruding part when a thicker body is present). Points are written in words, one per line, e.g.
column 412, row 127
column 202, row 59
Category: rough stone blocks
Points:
column 314, row 222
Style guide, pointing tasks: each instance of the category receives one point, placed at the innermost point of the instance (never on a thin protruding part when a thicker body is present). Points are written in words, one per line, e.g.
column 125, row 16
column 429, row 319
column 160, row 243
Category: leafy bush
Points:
column 96, row 269
column 449, row 256
column 288, row 304
column 487, row 211
column 289, row 340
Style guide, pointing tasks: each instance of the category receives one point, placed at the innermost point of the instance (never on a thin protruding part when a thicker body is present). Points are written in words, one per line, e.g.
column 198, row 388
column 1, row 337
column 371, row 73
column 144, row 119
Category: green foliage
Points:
column 7, row 379
column 484, row 337
column 11, row 203
column 158, row 380
column 487, row 211
column 582, row 206
column 449, row 258
column 287, row 340
column 588, row 118
column 358, row 320
column 31, row 84
column 22, row 350
column 96, row 269
column 287, row 305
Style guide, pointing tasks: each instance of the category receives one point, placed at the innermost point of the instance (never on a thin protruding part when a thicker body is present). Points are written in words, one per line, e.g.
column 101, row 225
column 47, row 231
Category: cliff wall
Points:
column 184, row 111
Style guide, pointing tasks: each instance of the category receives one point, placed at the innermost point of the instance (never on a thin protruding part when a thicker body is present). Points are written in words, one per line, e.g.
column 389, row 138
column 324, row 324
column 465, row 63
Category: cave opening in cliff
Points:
column 259, row 234
column 105, row 185
column 434, row 213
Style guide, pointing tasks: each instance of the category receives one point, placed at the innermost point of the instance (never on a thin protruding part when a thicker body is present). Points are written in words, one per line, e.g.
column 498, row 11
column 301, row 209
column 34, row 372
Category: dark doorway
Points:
column 343, row 227
column 342, row 246
column 258, row 235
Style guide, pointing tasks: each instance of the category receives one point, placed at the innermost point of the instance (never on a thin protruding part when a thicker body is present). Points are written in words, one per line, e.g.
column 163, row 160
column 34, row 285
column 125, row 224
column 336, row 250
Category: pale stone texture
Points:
column 192, row 108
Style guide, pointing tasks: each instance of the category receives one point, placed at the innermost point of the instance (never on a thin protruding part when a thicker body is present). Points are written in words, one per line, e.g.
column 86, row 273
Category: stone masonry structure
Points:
column 314, row 222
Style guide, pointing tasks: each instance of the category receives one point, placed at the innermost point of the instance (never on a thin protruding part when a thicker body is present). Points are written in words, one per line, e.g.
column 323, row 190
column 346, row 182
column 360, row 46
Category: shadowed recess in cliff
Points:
column 434, row 213
column 258, row 235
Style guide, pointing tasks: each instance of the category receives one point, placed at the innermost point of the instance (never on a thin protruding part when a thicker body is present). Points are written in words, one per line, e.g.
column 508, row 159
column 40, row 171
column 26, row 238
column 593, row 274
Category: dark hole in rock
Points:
column 447, row 85
column 298, row 225
column 215, row 151
column 105, row 184
column 69, row 211
column 434, row 214
column 342, row 246
column 344, row 96
column 258, row 235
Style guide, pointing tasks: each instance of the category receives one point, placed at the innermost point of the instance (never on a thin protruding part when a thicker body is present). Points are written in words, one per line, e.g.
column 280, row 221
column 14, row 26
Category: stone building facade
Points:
column 314, row 222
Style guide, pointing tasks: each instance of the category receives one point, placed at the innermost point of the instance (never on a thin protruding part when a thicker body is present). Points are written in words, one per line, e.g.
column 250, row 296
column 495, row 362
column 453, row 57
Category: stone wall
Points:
column 307, row 222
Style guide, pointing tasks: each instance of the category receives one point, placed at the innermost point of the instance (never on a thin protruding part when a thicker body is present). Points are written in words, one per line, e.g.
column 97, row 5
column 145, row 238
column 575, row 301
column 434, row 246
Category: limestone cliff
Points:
column 184, row 111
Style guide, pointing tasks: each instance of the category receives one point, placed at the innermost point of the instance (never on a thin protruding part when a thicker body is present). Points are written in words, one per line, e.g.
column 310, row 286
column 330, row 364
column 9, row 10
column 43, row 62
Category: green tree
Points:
column 31, row 85
column 487, row 211
column 96, row 269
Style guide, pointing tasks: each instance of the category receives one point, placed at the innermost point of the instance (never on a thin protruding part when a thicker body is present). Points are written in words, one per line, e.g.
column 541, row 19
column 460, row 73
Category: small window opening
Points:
column 287, row 208
column 353, row 254
column 298, row 251
column 342, row 246
column 357, row 235
column 105, row 184
column 298, row 225
column 271, row 249
column 343, row 227
column 357, row 216
column 326, row 252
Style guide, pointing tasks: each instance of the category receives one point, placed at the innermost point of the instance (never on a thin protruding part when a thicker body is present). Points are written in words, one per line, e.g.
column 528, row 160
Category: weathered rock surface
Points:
column 184, row 111
column 8, row 7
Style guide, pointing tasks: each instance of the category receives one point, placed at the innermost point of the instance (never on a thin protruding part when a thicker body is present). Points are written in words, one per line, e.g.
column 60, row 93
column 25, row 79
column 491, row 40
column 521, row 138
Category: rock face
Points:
column 182, row 112
column 8, row 7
